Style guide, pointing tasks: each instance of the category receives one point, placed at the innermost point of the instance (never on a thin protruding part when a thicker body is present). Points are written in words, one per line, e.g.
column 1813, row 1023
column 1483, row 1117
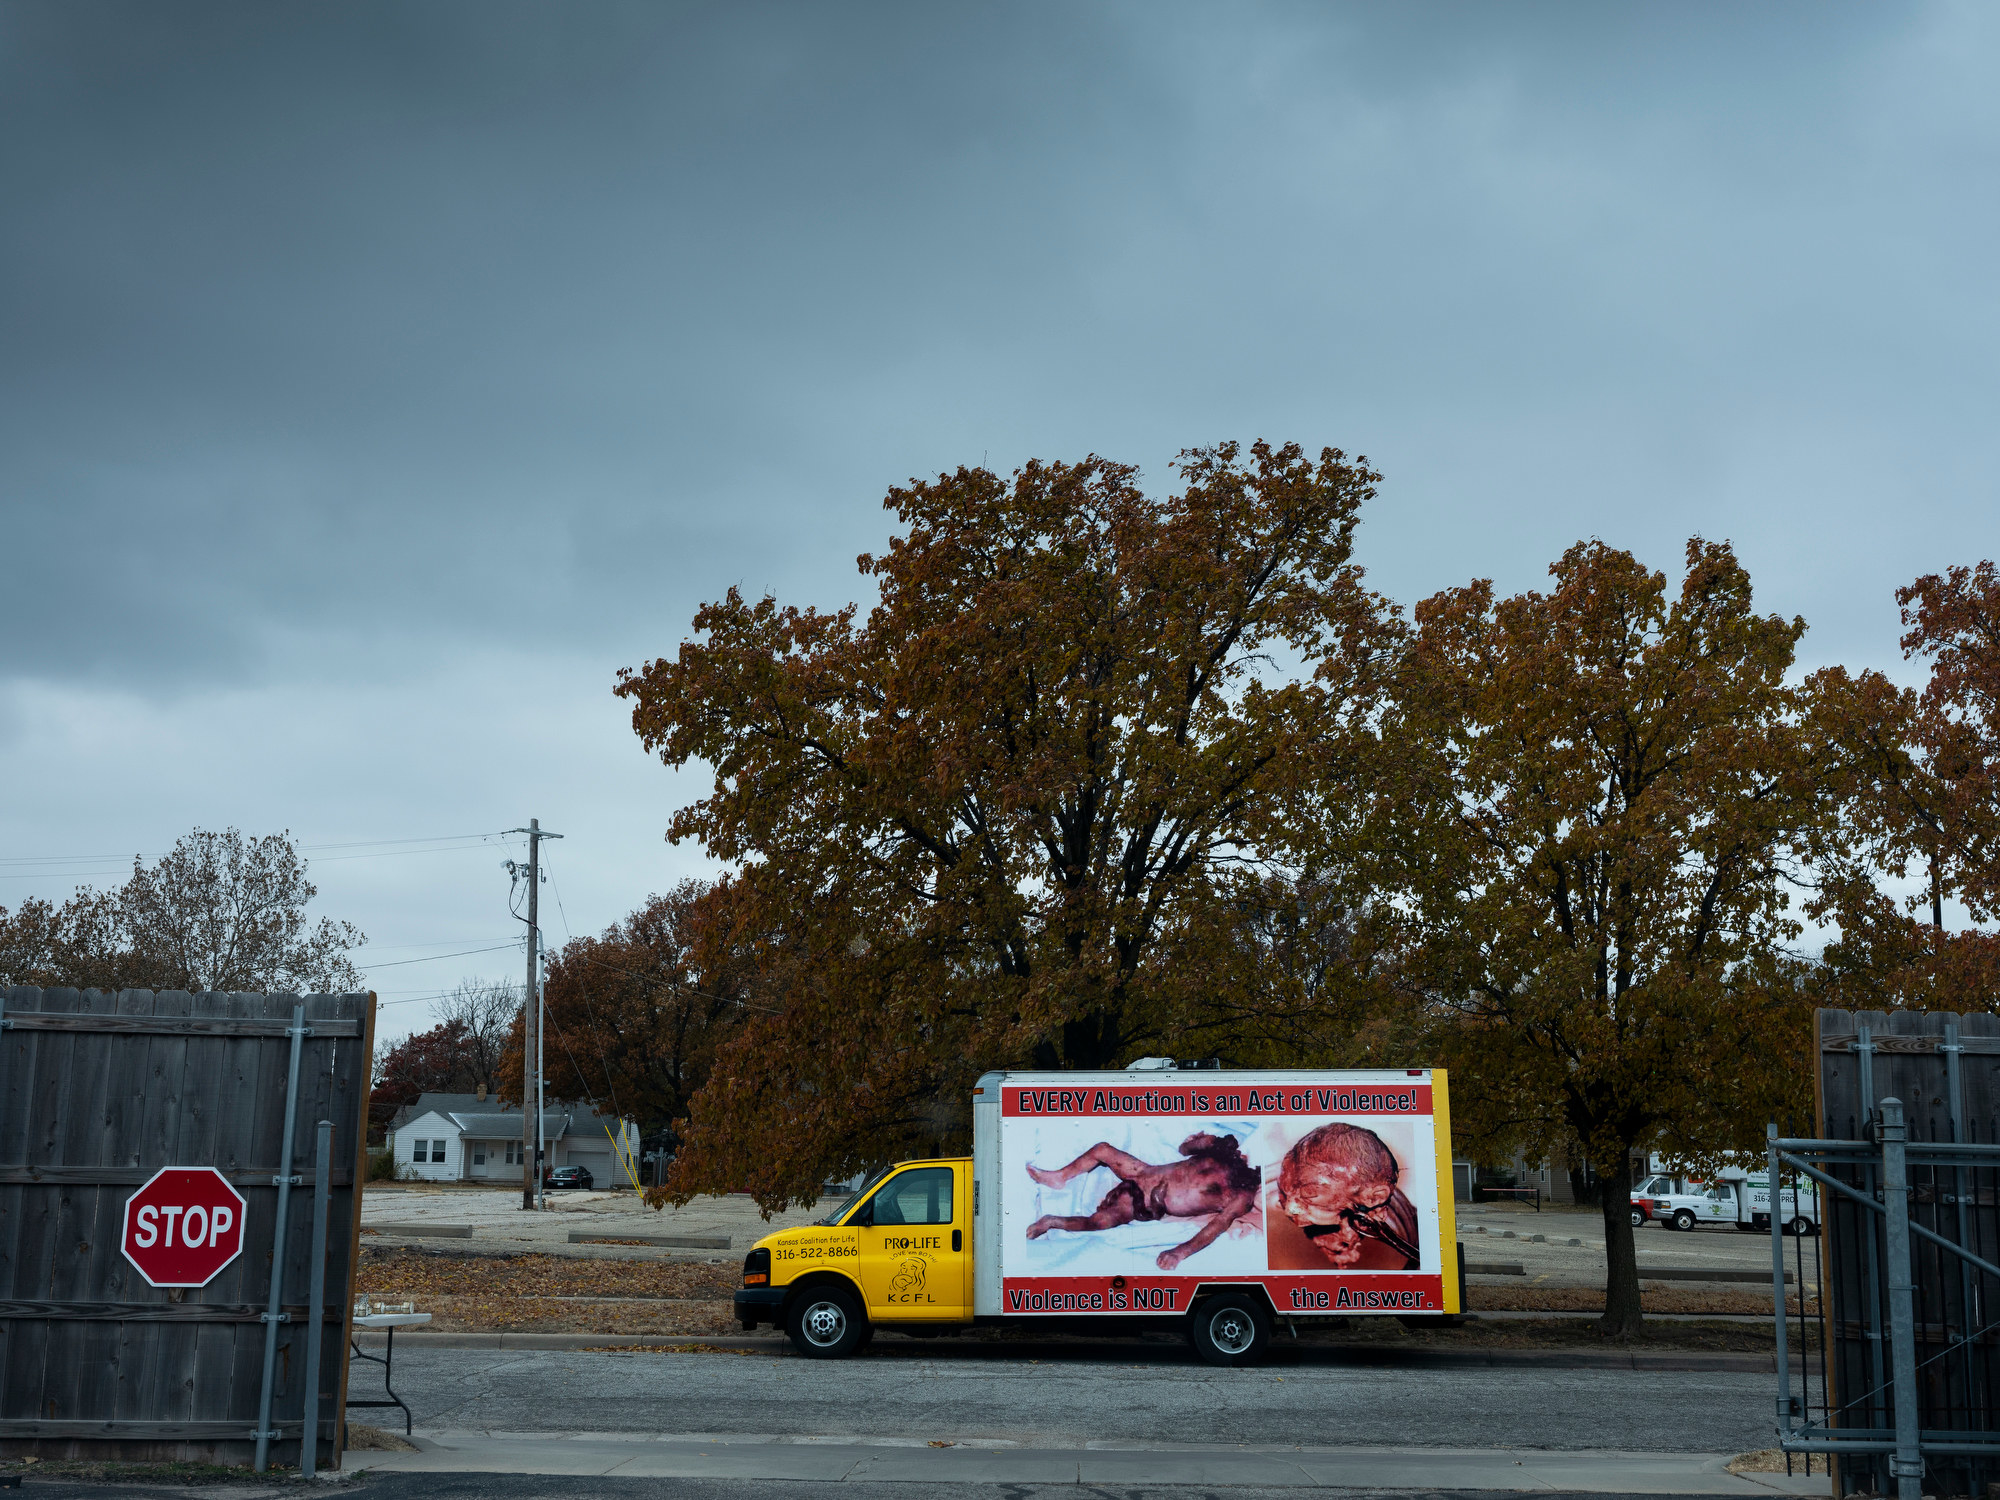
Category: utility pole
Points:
column 531, row 1026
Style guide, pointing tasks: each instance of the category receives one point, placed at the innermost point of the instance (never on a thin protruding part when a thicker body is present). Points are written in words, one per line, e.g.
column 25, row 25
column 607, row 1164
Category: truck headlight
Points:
column 757, row 1267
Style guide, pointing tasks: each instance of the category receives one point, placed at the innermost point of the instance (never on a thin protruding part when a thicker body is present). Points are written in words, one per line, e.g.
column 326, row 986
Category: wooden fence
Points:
column 97, row 1092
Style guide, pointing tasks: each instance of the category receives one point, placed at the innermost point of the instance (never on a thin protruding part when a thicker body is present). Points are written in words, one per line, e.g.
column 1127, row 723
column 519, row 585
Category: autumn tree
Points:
column 217, row 912
column 636, row 1015
column 1921, row 783
column 990, row 824
column 483, row 1012
column 459, row 1055
column 1603, row 799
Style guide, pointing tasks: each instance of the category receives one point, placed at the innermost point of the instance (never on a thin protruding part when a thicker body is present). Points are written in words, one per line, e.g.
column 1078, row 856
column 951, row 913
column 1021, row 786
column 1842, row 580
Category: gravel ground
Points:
column 1066, row 1403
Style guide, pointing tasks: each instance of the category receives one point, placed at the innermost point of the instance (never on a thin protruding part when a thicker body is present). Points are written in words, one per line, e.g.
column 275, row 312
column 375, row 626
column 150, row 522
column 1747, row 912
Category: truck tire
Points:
column 1230, row 1329
column 1684, row 1218
column 1802, row 1226
column 826, row 1322
column 1638, row 1218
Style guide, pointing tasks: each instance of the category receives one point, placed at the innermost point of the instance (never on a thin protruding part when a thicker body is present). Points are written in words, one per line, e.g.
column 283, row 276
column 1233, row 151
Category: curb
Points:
column 1282, row 1352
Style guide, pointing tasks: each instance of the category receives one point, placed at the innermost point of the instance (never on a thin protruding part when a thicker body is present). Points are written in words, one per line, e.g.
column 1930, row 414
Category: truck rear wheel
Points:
column 1802, row 1226
column 1230, row 1329
column 825, row 1322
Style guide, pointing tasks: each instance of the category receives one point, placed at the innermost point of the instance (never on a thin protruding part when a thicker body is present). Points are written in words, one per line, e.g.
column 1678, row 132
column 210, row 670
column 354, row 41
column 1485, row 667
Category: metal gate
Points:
column 97, row 1092
column 1908, row 1162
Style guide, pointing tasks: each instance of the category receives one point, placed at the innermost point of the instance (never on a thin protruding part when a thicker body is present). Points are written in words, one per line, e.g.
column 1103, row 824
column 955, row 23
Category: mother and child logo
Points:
column 1337, row 1193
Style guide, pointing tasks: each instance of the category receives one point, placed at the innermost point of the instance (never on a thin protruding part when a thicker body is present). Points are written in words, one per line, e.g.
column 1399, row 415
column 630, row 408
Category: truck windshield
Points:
column 852, row 1198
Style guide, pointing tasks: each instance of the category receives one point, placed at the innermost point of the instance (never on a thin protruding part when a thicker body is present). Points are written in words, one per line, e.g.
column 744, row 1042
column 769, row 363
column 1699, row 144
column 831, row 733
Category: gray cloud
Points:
column 343, row 346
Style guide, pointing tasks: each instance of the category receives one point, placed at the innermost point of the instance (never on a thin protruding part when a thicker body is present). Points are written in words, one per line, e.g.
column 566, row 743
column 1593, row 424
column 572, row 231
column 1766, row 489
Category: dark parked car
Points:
column 568, row 1177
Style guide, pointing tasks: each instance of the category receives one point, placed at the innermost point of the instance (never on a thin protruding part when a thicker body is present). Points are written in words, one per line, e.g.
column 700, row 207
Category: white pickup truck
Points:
column 1660, row 1184
column 1739, row 1200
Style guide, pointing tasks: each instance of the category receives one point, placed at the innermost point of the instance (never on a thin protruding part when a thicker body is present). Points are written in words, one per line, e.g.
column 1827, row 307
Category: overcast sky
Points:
column 376, row 380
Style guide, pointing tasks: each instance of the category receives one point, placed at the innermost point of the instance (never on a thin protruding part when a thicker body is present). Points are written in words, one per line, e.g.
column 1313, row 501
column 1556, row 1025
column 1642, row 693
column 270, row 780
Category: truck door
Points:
column 915, row 1235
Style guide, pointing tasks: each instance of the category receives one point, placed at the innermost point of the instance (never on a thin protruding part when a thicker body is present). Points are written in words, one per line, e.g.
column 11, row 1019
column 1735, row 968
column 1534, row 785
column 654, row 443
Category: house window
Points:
column 513, row 1153
column 428, row 1151
column 479, row 1153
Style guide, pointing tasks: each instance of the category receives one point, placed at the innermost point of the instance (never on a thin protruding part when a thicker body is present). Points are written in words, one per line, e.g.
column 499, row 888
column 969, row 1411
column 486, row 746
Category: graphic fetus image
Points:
column 1338, row 1184
column 1212, row 1182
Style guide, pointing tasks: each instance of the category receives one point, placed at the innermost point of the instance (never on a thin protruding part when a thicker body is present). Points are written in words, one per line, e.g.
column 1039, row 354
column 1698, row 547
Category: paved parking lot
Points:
column 1484, row 1229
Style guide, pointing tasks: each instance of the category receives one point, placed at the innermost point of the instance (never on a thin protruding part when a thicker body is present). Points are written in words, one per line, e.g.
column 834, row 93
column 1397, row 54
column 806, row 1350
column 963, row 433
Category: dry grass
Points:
column 681, row 1299
column 404, row 1273
column 553, row 1293
column 452, row 1313
column 1696, row 1300
column 1772, row 1461
column 361, row 1438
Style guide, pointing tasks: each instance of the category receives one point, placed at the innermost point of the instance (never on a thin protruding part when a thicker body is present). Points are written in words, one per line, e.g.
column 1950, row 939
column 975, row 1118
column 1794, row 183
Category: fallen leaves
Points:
column 1554, row 1333
column 1772, row 1461
column 406, row 1272
column 553, row 1293
column 1708, row 1300
column 644, row 1315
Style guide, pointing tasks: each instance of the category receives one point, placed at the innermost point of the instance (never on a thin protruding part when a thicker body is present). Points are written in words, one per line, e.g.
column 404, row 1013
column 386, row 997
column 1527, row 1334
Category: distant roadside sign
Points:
column 183, row 1226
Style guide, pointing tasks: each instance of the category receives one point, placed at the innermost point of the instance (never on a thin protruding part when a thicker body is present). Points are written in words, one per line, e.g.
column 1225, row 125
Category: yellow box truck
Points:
column 1215, row 1202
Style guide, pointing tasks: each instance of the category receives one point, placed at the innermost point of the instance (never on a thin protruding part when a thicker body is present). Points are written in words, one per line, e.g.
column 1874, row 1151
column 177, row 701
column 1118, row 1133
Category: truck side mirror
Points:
column 864, row 1216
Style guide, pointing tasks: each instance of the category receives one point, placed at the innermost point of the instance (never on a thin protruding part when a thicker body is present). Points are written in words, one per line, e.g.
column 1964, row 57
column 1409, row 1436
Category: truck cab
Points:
column 1655, row 1185
column 896, row 1254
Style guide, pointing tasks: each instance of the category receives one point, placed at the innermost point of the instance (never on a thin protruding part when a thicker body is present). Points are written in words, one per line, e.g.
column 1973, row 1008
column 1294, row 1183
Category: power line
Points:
column 444, row 843
column 399, row 962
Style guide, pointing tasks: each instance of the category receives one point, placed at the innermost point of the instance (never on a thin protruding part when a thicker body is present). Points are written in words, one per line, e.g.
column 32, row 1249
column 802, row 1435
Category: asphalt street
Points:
column 1153, row 1396
column 562, row 1487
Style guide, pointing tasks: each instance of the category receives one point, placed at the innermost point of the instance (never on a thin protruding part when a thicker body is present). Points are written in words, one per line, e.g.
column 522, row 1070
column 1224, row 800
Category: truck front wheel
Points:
column 1684, row 1219
column 1230, row 1329
column 825, row 1322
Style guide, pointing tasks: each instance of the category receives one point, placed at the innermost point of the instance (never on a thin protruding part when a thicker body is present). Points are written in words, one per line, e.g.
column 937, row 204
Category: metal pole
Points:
column 274, row 1313
column 1968, row 1298
column 1878, row 1375
column 531, row 1138
column 316, row 1300
column 1908, row 1464
column 1778, row 1285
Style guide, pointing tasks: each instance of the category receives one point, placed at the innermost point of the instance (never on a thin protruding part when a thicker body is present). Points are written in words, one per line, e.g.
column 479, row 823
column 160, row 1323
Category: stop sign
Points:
column 183, row 1226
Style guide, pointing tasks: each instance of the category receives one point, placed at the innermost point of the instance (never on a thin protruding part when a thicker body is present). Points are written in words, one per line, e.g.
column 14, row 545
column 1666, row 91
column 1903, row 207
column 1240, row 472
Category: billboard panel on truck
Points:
column 1123, row 1192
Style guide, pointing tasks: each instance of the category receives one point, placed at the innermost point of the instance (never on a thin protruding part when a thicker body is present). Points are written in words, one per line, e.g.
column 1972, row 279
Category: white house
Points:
column 464, row 1138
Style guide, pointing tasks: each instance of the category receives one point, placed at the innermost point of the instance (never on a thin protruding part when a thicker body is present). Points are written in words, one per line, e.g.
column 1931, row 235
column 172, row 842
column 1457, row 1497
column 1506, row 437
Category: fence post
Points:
column 316, row 1301
column 1778, row 1299
column 1908, row 1464
column 298, row 1031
